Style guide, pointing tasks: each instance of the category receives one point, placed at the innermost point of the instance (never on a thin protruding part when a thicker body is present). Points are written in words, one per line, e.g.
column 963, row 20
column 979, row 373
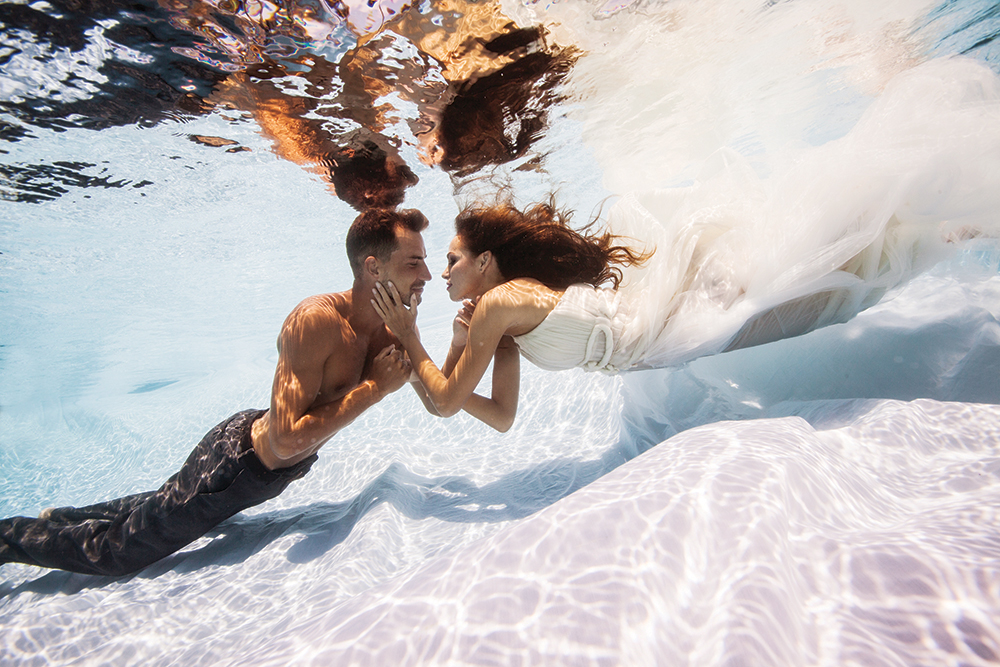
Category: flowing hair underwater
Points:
column 539, row 243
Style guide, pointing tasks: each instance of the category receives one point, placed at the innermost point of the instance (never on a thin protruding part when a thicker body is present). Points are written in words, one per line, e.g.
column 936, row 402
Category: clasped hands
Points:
column 391, row 369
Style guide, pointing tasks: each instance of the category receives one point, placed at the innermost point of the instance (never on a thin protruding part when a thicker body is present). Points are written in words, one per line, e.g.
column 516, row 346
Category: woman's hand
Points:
column 389, row 306
column 460, row 326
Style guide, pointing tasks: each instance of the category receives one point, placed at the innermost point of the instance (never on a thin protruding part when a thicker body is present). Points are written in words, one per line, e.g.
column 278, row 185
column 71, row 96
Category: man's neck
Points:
column 363, row 317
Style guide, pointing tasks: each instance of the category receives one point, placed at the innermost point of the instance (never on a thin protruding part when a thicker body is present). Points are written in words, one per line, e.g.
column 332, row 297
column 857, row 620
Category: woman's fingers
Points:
column 384, row 295
column 413, row 305
column 378, row 302
column 394, row 294
column 390, row 307
column 383, row 301
column 398, row 301
column 387, row 295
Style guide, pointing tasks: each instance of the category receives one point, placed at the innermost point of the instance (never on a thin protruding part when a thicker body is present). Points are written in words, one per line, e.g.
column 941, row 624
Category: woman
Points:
column 511, row 270
column 739, row 260
column 530, row 285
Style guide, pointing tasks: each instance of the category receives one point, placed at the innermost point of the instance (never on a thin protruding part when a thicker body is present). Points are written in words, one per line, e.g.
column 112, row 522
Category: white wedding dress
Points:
column 742, row 260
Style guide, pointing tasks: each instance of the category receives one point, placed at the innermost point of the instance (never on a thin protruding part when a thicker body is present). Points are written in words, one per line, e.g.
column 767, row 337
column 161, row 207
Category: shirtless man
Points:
column 336, row 359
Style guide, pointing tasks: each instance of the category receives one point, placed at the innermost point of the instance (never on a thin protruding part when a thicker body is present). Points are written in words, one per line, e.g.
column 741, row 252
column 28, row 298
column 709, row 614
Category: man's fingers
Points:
column 386, row 351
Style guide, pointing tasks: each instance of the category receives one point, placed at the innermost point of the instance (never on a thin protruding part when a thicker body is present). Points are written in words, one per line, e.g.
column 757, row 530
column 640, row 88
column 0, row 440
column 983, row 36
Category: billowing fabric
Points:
column 742, row 260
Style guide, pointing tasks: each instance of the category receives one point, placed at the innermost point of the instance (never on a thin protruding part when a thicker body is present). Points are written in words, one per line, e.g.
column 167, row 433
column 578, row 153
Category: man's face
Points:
column 406, row 267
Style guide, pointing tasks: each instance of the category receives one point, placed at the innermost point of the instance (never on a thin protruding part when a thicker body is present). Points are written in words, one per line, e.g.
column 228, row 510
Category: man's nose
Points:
column 426, row 275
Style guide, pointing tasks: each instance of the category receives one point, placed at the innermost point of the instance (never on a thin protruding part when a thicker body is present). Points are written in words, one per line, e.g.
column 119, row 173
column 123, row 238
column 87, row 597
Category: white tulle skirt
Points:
column 742, row 259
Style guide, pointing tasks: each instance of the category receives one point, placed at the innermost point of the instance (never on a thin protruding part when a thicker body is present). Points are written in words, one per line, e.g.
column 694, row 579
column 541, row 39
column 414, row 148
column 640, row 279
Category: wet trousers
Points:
column 221, row 477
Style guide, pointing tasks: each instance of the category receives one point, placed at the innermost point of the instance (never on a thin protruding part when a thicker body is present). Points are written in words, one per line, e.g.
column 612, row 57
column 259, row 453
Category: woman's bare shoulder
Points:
column 522, row 292
column 521, row 304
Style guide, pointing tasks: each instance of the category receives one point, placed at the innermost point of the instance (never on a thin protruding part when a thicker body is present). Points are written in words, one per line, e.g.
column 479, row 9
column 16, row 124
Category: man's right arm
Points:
column 296, row 426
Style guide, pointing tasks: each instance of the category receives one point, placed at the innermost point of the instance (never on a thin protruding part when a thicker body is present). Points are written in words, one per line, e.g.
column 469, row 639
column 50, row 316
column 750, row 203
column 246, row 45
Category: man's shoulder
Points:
column 332, row 305
column 318, row 313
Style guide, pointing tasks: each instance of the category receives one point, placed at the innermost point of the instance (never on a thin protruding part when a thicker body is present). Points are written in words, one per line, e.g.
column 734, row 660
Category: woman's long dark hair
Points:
column 539, row 243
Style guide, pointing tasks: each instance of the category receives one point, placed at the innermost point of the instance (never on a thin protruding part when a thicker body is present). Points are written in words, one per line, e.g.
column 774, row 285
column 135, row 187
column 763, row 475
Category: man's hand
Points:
column 390, row 370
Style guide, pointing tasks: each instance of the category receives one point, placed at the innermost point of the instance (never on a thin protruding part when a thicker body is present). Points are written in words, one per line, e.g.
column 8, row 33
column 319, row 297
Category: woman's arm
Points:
column 414, row 381
column 500, row 409
column 460, row 335
column 450, row 393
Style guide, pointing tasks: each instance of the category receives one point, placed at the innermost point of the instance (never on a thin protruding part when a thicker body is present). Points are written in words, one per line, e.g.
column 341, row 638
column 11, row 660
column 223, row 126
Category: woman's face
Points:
column 462, row 276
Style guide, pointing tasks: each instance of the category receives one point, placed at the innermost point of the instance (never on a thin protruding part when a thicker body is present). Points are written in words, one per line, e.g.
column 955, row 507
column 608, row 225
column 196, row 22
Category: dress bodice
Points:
column 587, row 328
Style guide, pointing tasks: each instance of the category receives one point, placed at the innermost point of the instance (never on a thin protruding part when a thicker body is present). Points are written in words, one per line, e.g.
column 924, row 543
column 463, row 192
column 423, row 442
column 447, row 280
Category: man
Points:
column 336, row 359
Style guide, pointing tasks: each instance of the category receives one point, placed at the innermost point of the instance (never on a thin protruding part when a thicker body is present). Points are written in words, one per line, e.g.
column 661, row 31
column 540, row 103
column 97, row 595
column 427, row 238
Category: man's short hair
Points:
column 373, row 234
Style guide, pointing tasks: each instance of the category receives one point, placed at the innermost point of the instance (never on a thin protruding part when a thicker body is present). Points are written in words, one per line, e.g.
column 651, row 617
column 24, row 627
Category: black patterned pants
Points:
column 221, row 477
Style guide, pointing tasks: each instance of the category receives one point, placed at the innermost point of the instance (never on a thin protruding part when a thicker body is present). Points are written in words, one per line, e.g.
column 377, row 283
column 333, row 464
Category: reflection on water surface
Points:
column 339, row 90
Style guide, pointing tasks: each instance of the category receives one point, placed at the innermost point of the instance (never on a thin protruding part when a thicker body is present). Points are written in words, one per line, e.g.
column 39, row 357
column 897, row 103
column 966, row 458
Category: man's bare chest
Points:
column 346, row 369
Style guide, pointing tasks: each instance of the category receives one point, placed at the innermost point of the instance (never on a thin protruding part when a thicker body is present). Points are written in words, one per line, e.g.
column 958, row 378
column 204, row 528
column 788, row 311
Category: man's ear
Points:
column 372, row 267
